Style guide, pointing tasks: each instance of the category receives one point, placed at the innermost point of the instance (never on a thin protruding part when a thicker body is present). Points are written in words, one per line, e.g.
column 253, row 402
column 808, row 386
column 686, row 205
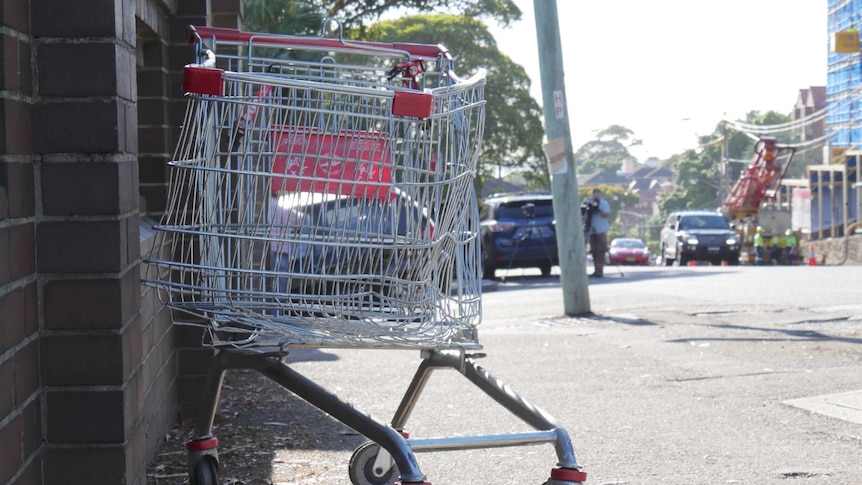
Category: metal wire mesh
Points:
column 302, row 211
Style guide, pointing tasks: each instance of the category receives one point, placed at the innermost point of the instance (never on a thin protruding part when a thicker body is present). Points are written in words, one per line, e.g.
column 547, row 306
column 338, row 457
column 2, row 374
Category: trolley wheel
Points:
column 362, row 471
column 205, row 473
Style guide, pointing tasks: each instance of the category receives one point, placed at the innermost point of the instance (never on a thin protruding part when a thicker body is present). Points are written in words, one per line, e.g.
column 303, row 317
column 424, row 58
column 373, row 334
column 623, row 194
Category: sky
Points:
column 670, row 70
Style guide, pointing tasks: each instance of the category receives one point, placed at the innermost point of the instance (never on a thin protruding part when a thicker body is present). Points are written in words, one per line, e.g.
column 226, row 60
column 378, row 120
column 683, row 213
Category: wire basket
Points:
column 321, row 194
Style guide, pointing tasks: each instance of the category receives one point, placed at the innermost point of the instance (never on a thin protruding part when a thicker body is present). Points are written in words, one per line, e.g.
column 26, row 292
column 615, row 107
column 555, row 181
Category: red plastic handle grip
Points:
column 232, row 35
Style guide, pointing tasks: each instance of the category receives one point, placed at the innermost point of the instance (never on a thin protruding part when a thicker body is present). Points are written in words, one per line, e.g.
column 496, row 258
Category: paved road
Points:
column 693, row 375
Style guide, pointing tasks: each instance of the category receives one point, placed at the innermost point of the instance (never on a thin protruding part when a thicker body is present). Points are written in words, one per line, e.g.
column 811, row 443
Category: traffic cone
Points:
column 812, row 260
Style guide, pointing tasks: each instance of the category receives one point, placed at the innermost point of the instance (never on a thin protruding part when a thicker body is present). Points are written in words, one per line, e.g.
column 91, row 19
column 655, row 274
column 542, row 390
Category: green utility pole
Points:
column 564, row 181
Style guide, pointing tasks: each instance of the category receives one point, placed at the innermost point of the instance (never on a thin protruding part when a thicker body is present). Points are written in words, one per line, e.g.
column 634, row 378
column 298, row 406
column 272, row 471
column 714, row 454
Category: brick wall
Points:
column 20, row 405
column 89, row 109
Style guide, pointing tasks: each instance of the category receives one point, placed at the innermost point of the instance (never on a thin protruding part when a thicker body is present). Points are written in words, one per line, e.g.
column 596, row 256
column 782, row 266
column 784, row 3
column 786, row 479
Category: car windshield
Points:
column 703, row 222
column 514, row 210
column 627, row 243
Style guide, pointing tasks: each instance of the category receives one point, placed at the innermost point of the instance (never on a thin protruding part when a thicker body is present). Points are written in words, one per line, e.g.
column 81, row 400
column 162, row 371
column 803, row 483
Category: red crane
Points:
column 759, row 180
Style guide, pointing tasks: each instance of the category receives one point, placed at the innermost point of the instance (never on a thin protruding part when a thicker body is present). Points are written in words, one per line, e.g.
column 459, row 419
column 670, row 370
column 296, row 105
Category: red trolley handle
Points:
column 430, row 51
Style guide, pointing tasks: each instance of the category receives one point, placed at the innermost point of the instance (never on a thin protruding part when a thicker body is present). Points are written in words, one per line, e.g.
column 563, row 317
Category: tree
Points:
column 356, row 13
column 695, row 183
column 513, row 126
column 292, row 17
column 698, row 172
column 607, row 152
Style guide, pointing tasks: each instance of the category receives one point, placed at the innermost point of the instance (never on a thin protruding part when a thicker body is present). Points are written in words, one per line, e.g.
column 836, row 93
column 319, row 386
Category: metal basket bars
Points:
column 321, row 194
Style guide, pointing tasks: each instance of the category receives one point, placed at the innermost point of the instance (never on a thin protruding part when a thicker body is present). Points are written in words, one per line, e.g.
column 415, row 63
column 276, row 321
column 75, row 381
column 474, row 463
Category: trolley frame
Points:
column 394, row 449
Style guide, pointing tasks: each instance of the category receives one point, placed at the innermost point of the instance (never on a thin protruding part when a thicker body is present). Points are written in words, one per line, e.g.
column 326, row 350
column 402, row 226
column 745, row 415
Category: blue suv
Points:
column 518, row 231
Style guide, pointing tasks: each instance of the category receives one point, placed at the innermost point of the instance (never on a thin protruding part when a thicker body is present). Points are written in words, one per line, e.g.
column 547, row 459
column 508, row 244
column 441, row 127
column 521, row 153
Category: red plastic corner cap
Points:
column 202, row 445
column 203, row 80
column 568, row 475
column 416, row 104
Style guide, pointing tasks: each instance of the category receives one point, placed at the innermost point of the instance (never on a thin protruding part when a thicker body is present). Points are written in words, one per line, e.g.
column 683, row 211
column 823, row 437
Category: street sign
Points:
column 846, row 42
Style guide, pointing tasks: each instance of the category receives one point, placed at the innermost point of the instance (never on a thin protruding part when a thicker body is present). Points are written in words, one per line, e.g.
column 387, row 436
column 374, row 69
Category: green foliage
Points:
column 607, row 152
column 696, row 183
column 513, row 127
column 618, row 197
column 291, row 17
column 356, row 13
column 698, row 172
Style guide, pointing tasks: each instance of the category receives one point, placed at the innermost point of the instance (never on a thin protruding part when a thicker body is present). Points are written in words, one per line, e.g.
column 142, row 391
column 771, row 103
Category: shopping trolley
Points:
column 321, row 195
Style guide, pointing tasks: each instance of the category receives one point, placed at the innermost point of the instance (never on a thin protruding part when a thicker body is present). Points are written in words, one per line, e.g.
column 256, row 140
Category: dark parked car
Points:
column 698, row 236
column 318, row 245
column 628, row 251
column 518, row 231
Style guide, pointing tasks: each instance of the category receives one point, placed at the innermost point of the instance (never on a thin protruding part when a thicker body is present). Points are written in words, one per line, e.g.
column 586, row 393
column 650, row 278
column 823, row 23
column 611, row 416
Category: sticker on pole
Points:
column 559, row 105
column 555, row 153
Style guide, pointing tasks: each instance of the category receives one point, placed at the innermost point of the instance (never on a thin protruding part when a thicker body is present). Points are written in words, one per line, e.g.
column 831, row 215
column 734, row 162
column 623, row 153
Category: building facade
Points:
column 92, row 374
column 834, row 187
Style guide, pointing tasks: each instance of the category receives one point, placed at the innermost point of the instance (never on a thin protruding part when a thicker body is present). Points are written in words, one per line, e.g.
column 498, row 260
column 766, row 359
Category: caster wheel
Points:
column 205, row 473
column 363, row 470
column 566, row 476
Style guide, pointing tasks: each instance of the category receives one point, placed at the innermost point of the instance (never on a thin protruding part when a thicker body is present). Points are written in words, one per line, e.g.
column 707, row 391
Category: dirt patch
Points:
column 266, row 436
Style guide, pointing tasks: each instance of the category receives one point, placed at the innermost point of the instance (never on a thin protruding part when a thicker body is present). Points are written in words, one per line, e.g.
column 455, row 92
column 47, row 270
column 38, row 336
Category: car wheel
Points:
column 681, row 259
column 489, row 271
column 733, row 261
column 663, row 252
column 545, row 269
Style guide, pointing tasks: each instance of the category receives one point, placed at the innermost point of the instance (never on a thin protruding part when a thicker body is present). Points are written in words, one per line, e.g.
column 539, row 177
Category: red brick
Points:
column 85, row 417
column 85, row 465
column 82, row 360
column 26, row 363
column 7, row 388
column 13, row 315
column 16, row 129
column 10, row 443
column 79, row 127
column 62, row 18
column 9, row 53
column 31, row 419
column 32, row 475
column 152, row 169
column 80, row 188
column 81, row 246
column 133, row 351
column 15, row 14
column 78, row 69
column 31, row 318
column 20, row 189
column 21, row 244
column 152, row 82
column 5, row 257
column 226, row 6
column 83, row 304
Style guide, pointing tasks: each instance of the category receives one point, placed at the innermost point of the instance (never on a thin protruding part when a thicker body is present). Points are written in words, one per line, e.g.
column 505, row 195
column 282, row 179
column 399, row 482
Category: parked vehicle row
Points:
column 517, row 231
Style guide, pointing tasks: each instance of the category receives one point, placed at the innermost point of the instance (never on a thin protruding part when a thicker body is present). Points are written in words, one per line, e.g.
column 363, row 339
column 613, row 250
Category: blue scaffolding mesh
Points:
column 844, row 78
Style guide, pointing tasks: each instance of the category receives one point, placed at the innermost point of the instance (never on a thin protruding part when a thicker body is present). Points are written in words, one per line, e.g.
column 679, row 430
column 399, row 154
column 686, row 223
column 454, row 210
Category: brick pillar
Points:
column 20, row 405
column 227, row 13
column 87, row 241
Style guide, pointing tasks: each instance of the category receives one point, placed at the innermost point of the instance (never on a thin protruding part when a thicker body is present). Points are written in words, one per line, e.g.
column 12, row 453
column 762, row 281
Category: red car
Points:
column 628, row 251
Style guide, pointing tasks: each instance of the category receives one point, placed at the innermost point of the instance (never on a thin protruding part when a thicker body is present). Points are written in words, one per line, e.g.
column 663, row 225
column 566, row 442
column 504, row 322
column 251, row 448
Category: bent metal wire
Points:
column 321, row 194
